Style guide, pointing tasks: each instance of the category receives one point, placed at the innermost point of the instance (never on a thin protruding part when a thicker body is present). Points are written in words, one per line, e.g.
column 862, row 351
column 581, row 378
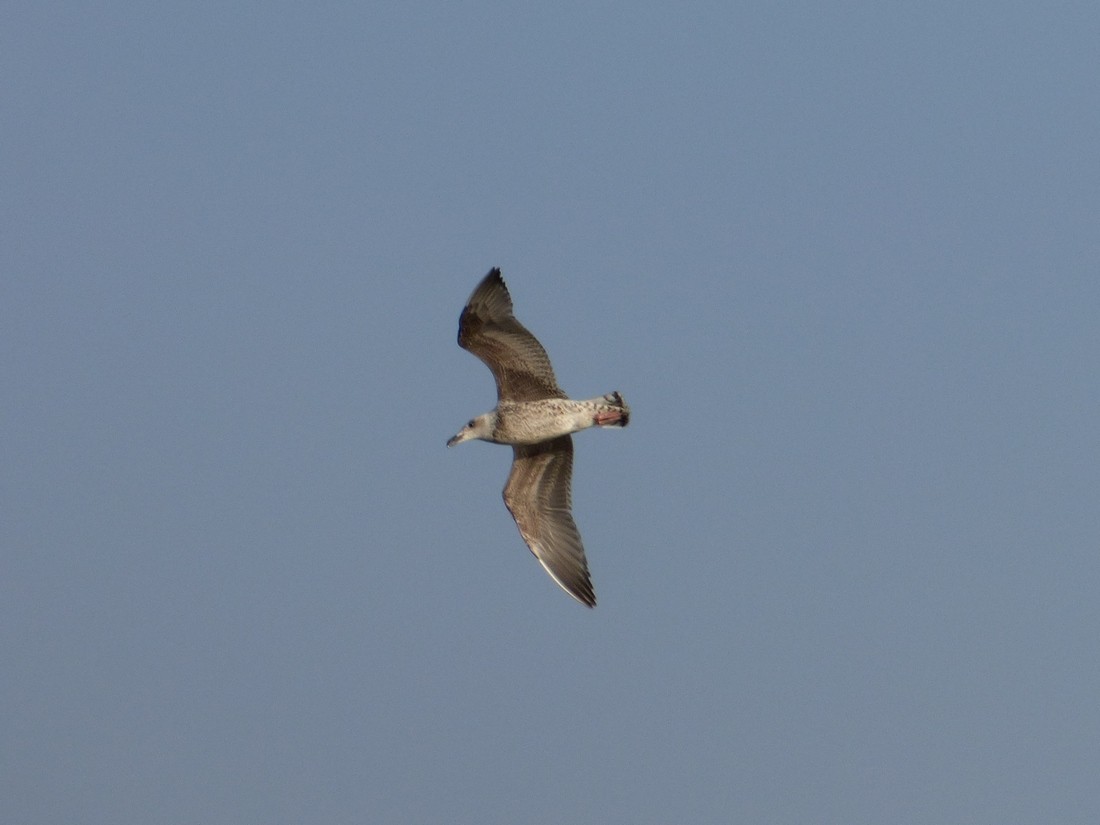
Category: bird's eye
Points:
column 470, row 423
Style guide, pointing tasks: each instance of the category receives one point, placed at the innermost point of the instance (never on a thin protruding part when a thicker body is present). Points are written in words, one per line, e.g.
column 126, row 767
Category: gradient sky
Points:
column 843, row 261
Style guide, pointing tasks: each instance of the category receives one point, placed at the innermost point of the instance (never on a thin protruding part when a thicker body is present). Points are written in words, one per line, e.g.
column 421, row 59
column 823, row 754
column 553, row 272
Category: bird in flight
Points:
column 535, row 417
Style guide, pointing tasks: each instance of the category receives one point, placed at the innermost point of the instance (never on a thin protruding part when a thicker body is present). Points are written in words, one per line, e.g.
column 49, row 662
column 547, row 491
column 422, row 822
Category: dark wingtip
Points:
column 493, row 277
column 584, row 594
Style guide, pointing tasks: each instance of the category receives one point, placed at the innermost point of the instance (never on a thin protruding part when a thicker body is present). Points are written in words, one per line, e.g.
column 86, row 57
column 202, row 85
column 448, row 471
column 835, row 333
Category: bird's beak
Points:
column 455, row 439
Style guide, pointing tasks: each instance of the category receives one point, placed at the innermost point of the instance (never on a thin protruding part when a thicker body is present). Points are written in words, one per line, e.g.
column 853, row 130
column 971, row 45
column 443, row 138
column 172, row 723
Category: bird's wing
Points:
column 489, row 330
column 538, row 496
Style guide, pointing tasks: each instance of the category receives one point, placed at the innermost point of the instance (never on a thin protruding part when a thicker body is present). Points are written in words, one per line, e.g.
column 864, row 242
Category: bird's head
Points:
column 480, row 427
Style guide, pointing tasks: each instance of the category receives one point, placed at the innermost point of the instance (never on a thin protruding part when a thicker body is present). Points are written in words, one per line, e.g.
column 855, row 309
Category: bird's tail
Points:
column 612, row 411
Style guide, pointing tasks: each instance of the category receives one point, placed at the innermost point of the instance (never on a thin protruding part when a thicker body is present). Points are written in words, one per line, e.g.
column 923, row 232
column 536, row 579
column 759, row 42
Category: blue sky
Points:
column 842, row 260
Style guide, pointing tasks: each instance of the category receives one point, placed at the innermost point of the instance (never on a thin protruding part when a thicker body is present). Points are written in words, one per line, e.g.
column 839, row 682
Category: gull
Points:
column 535, row 417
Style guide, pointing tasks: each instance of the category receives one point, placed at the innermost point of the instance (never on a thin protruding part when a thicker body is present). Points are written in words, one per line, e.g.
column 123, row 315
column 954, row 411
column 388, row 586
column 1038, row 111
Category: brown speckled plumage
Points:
column 535, row 416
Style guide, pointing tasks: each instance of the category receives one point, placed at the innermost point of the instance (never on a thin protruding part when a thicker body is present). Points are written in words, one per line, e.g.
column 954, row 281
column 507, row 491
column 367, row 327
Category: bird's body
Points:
column 532, row 422
column 535, row 416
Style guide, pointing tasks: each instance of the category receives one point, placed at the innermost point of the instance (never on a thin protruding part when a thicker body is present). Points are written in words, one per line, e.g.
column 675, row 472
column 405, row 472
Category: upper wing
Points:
column 517, row 360
column 538, row 496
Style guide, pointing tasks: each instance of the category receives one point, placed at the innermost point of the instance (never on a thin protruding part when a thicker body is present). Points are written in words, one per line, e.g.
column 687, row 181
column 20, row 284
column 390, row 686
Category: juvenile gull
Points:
column 535, row 416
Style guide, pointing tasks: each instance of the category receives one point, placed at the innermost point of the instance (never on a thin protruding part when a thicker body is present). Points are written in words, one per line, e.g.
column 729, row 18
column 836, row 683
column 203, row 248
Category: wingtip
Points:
column 586, row 598
column 492, row 279
column 580, row 590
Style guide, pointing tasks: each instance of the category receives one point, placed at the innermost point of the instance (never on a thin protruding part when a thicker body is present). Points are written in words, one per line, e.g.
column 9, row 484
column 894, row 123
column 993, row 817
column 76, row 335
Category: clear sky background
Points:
column 843, row 260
